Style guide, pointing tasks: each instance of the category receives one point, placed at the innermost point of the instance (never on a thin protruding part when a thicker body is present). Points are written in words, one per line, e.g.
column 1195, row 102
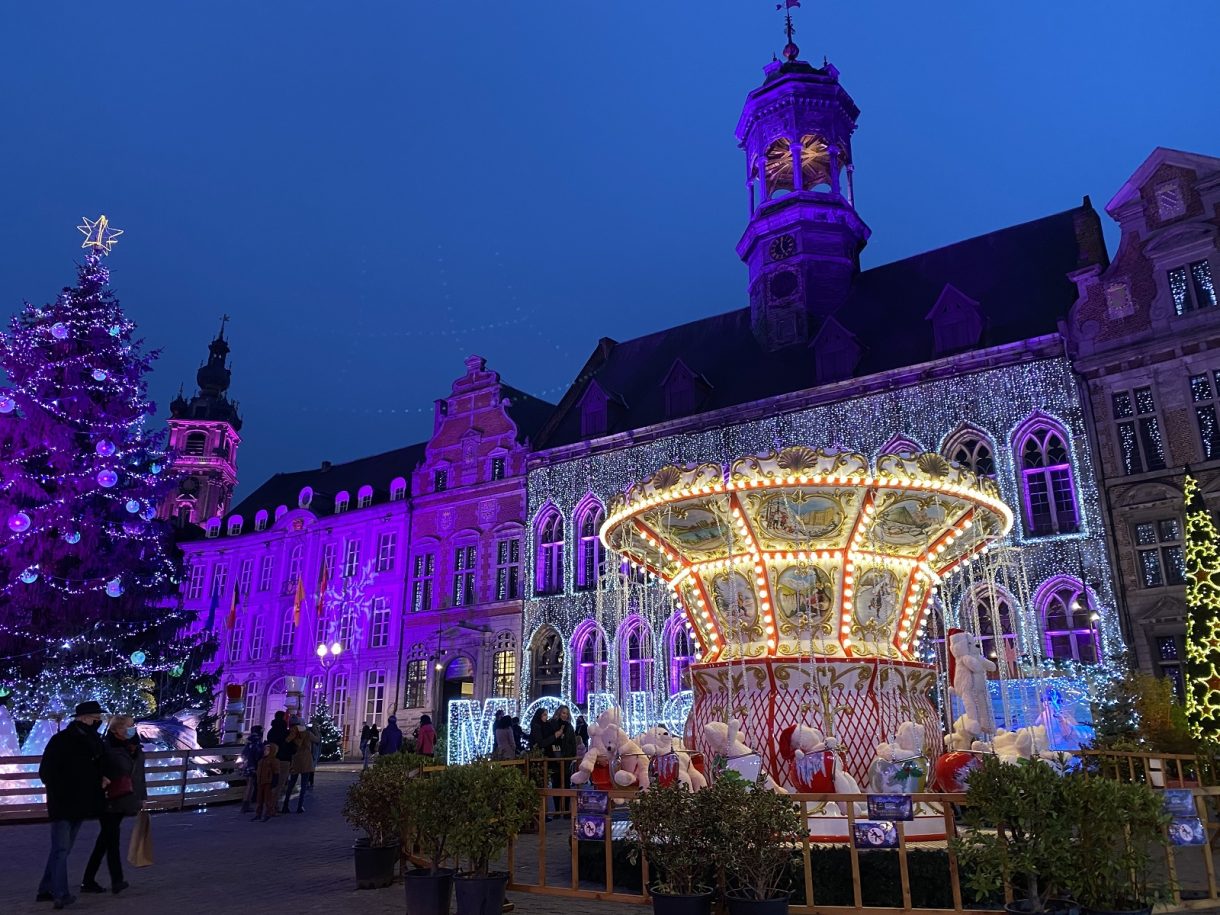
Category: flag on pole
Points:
column 788, row 4
column 297, row 600
column 212, row 608
column 233, row 608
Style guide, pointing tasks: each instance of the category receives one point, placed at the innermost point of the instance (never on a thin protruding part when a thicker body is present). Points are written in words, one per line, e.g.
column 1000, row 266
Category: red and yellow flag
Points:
column 297, row 600
column 233, row 609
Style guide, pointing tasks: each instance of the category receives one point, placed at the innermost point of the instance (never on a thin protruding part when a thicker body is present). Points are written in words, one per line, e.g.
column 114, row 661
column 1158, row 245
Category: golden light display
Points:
column 1202, row 617
column 98, row 234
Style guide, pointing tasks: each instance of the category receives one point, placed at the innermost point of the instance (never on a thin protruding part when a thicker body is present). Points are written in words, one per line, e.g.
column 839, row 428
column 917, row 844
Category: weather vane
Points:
column 99, row 235
column 790, row 49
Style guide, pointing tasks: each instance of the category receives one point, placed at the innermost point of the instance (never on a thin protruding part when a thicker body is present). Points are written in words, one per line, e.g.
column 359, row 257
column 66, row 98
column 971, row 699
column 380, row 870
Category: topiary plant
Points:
column 676, row 830
column 755, row 835
column 427, row 805
column 372, row 805
column 491, row 805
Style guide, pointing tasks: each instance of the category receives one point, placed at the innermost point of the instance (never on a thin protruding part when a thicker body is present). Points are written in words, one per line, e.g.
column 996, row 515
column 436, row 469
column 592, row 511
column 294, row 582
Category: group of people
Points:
column 555, row 738
column 90, row 777
column 274, row 766
column 383, row 742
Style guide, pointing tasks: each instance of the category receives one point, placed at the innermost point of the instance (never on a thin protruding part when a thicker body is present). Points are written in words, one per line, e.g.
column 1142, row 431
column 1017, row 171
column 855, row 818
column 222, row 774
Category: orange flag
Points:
column 297, row 600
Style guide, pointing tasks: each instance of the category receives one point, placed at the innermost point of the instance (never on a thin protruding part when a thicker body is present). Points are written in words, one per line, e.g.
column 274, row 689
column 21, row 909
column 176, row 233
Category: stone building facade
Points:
column 409, row 562
column 1144, row 336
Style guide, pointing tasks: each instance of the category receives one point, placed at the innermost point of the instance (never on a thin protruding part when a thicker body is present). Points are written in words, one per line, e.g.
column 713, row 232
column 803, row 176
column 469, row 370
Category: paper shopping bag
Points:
column 140, row 849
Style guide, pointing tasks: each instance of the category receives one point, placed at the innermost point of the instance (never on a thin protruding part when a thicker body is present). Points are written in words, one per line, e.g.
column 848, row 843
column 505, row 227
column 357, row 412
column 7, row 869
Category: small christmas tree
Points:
column 88, row 576
column 323, row 721
column 1202, row 617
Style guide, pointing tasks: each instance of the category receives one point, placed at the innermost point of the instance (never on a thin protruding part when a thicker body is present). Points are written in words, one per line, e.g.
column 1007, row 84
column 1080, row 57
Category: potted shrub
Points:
column 756, row 834
column 427, row 808
column 370, row 806
column 1117, row 826
column 1017, row 832
column 493, row 804
column 676, row 830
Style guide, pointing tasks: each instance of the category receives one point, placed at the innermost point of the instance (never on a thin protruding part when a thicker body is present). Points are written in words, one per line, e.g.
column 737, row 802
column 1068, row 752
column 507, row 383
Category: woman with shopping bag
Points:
column 125, row 796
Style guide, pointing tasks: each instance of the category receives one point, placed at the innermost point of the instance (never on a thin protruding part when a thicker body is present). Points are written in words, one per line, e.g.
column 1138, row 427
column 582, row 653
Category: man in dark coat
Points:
column 391, row 738
column 71, row 769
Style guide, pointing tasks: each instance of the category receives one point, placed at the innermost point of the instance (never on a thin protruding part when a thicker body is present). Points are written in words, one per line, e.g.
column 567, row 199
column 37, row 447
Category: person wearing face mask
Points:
column 71, row 769
column 125, row 795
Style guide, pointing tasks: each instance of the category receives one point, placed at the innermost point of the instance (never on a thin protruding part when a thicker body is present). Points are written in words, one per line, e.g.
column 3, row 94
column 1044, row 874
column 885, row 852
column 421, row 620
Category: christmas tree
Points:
column 323, row 721
column 1202, row 617
column 88, row 578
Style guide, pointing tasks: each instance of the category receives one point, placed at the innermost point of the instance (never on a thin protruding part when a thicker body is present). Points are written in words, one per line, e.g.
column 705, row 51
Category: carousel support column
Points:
column 295, row 688
column 235, row 710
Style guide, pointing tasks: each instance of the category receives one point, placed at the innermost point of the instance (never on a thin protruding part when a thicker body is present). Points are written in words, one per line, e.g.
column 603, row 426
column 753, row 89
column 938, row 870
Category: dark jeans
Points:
column 55, row 877
column 107, row 844
column 306, row 784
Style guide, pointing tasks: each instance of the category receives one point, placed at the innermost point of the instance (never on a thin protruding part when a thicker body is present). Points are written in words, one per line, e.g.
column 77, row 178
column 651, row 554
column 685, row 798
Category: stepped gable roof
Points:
column 376, row 471
column 1017, row 275
column 528, row 413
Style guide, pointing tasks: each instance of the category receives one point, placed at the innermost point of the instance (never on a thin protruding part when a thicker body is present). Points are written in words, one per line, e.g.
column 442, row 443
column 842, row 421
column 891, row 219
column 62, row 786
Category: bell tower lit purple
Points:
column 803, row 241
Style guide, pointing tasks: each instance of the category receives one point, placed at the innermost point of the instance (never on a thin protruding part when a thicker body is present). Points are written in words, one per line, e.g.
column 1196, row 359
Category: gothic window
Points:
column 364, row 498
column 423, row 581
column 257, row 637
column 196, row 444
column 387, row 546
column 417, row 679
column 1203, row 394
column 1068, row 621
column 548, row 663
column 342, row 500
column 504, row 667
column 590, row 554
column 900, row 444
column 681, row 655
column 594, row 411
column 1158, row 546
column 589, row 650
column 637, row 657
column 465, row 563
column 379, row 630
column 1192, row 287
column 398, row 489
column 1139, row 434
column 989, row 613
column 1047, row 482
column 548, row 576
column 972, row 449
column 508, row 569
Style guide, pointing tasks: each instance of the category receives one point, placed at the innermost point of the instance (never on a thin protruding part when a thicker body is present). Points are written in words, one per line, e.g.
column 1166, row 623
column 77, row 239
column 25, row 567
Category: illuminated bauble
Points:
column 138, row 658
column 177, row 670
column 72, row 536
column 7, row 404
column 155, row 468
column 4, row 691
column 105, row 447
column 107, row 478
column 18, row 522
column 114, row 588
column 99, row 375
column 115, row 330
column 149, row 513
column 133, row 506
column 59, row 331
column 29, row 576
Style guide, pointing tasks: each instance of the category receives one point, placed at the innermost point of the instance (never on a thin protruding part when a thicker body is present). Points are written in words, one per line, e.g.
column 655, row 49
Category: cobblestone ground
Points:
column 217, row 857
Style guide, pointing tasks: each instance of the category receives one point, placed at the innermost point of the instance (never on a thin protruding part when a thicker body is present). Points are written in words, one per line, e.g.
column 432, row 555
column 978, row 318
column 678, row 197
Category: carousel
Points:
column 807, row 578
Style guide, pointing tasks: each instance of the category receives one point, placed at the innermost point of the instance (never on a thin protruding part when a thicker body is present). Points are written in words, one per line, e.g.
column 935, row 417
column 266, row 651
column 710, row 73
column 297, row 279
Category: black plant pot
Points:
column 739, row 905
column 375, row 864
column 428, row 893
column 480, row 895
column 1053, row 907
column 667, row 904
column 1147, row 910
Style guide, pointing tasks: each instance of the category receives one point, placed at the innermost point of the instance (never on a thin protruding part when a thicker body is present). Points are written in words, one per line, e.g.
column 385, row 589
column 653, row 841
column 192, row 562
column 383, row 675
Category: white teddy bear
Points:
column 968, row 671
column 669, row 759
column 607, row 742
column 731, row 753
column 900, row 767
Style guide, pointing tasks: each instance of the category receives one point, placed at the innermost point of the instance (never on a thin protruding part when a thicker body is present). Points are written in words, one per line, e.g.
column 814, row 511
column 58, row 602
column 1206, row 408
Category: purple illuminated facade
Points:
column 411, row 561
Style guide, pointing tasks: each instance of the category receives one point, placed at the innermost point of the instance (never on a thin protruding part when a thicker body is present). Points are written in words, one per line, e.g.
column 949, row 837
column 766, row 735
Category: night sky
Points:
column 375, row 190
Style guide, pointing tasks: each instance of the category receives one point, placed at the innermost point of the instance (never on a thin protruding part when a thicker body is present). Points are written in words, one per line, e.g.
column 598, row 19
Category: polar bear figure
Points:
column 608, row 742
column 968, row 671
column 669, row 760
column 732, row 754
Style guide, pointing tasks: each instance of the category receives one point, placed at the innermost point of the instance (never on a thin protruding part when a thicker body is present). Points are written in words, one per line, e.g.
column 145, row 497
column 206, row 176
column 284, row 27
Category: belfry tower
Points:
column 203, row 439
column 802, row 245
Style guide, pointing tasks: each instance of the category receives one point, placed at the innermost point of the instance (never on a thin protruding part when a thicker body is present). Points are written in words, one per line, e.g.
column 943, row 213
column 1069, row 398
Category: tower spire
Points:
column 790, row 49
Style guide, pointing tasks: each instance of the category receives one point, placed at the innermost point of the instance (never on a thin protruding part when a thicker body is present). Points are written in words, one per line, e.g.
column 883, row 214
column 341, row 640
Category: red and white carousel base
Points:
column 859, row 701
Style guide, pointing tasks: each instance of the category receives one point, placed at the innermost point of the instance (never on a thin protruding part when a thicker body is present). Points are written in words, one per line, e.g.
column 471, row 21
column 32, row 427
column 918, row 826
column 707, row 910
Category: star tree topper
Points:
column 98, row 234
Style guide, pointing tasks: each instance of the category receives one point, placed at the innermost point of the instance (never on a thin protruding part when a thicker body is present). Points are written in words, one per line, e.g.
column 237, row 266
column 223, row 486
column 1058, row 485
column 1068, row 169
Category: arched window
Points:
column 196, row 444
column 1069, row 621
column 548, row 576
column 235, row 523
column 213, row 528
column 341, row 502
column 504, row 666
column 681, row 649
column 972, row 449
column 398, row 489
column 589, row 650
column 590, row 554
column 305, row 497
column 1047, row 482
column 294, row 569
column 636, row 657
column 364, row 498
column 547, row 656
column 984, row 609
column 280, row 511
column 260, row 520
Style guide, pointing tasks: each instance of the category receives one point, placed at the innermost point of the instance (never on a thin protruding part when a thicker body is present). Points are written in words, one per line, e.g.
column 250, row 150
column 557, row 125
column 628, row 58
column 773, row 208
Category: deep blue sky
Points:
column 374, row 190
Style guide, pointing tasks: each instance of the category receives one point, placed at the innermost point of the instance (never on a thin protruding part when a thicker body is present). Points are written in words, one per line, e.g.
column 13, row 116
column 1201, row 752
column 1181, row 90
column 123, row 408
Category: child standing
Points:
column 268, row 781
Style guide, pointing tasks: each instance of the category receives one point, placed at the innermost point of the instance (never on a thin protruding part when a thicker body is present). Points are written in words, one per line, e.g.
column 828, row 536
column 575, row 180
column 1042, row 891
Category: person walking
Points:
column 369, row 736
column 302, row 741
column 425, row 736
column 71, row 769
column 125, row 796
column 268, row 776
column 283, row 756
column 251, row 753
column 391, row 738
